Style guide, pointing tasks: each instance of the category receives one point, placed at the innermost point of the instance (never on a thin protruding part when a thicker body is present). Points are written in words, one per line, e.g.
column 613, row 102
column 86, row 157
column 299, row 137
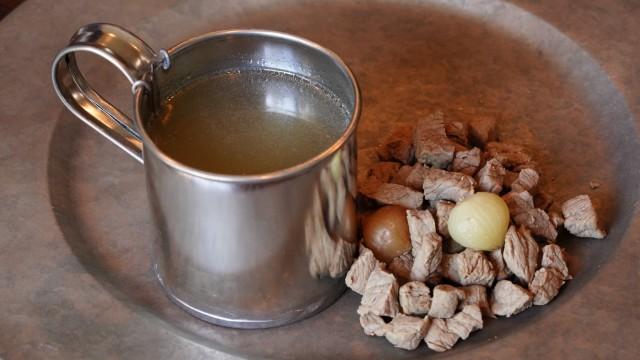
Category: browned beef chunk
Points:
column 580, row 218
column 466, row 321
column 406, row 332
column 426, row 244
column 476, row 295
column 468, row 267
column 432, row 147
column 491, row 177
column 457, row 131
column 510, row 155
column 443, row 209
column 518, row 202
column 527, row 181
column 444, row 185
column 509, row 299
column 398, row 146
column 553, row 257
column 380, row 295
column 439, row 337
column 495, row 256
column 360, row 270
column 401, row 266
column 394, row 194
column 467, row 161
column 521, row 253
column 415, row 298
column 416, row 176
column 538, row 222
column 373, row 325
column 545, row 285
column 445, row 301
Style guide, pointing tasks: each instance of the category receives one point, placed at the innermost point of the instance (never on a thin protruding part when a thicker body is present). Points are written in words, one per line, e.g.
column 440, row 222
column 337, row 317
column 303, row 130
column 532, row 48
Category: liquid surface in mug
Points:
column 248, row 122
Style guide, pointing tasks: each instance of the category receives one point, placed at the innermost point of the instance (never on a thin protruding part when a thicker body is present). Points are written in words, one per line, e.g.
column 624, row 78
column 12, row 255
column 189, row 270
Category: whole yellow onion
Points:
column 480, row 221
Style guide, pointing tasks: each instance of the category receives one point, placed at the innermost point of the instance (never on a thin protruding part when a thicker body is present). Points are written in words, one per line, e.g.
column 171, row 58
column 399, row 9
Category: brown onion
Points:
column 386, row 232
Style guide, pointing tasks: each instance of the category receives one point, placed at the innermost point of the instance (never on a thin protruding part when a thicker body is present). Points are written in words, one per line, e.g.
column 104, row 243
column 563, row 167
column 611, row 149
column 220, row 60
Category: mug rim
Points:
column 272, row 176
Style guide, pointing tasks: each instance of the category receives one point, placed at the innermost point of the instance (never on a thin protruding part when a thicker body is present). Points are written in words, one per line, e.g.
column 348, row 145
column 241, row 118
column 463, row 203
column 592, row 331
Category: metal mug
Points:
column 240, row 251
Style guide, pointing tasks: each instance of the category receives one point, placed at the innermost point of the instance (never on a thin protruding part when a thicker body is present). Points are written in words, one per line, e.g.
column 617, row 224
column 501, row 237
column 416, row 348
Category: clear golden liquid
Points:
column 248, row 122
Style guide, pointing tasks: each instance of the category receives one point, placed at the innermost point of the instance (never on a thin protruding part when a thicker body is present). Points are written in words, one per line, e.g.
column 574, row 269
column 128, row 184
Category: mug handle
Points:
column 132, row 56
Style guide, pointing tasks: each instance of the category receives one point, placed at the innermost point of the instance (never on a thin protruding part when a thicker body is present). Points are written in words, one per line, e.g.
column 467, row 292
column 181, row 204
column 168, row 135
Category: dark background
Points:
column 7, row 5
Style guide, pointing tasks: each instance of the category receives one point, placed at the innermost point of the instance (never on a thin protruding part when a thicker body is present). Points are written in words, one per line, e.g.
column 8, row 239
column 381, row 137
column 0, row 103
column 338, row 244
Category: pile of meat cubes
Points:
column 439, row 291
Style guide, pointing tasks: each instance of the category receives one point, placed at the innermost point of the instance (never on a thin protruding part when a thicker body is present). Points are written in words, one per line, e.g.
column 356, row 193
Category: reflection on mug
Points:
column 331, row 226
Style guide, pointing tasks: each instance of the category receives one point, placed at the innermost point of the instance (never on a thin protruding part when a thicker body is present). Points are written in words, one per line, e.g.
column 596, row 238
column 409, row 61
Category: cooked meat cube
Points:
column 443, row 209
column 398, row 146
column 394, row 194
column 518, row 202
column 538, row 222
column 476, row 295
column 527, row 181
column 491, row 176
column 509, row 155
column 373, row 325
column 444, row 185
column 415, row 298
column 401, row 266
column 432, row 147
column 468, row 267
column 467, row 162
column 482, row 130
column 406, row 332
column 554, row 258
column 426, row 244
column 509, row 299
column 439, row 337
column 445, row 301
column 545, row 285
column 594, row 184
column 542, row 200
column 380, row 295
column 520, row 253
column 556, row 218
column 466, row 321
column 580, row 218
column 420, row 222
column 360, row 270
column 457, row 131
column 499, row 266
column 400, row 177
column 415, row 179
column 509, row 178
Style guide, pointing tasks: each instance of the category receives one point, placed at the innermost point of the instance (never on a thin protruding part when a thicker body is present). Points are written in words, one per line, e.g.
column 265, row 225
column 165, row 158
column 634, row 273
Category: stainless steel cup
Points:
column 241, row 251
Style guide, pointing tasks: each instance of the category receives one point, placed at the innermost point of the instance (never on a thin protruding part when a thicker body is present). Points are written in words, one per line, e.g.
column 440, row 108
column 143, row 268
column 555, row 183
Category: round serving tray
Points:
column 75, row 231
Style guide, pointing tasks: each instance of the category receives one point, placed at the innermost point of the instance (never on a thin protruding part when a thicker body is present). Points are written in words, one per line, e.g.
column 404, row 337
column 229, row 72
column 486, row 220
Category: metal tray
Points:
column 75, row 276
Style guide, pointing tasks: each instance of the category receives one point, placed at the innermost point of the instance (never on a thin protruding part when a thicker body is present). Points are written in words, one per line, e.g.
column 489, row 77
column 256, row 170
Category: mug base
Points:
column 244, row 323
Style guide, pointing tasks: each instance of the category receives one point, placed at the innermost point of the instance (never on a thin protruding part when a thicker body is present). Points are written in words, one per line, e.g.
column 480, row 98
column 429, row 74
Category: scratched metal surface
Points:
column 563, row 77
